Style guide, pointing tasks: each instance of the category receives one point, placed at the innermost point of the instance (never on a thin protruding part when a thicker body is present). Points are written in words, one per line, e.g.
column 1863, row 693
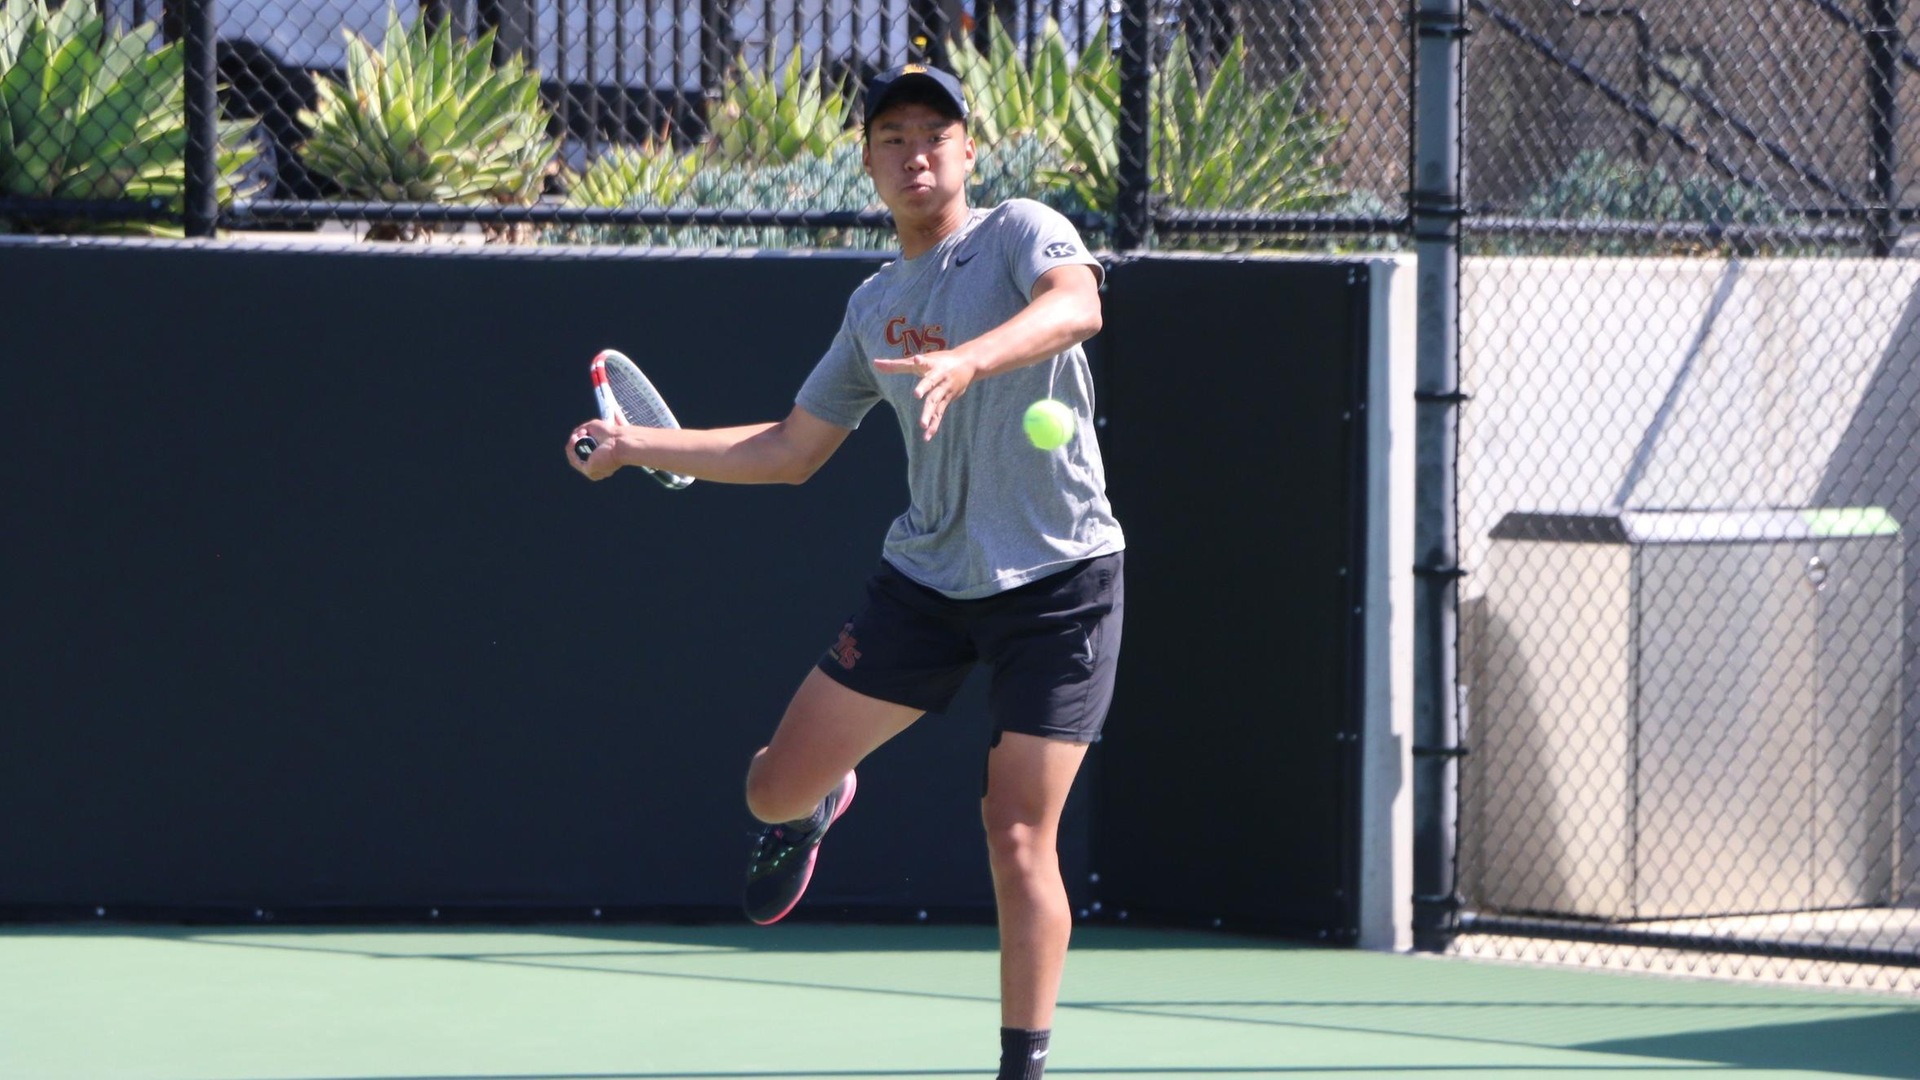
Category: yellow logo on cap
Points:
column 914, row 69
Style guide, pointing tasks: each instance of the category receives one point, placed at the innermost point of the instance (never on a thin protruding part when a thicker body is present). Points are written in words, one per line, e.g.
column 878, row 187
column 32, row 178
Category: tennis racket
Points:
column 625, row 395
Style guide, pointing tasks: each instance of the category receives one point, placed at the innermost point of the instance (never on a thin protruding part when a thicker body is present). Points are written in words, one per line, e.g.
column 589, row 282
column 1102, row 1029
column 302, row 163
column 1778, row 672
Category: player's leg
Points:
column 1054, row 648
column 802, row 781
column 828, row 728
column 893, row 661
column 1028, row 779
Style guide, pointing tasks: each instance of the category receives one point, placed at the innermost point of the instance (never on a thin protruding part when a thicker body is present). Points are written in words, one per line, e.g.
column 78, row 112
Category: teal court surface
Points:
column 821, row 1001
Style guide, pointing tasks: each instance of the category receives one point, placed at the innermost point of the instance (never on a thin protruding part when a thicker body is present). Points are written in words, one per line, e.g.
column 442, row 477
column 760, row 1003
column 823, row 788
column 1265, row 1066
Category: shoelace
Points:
column 765, row 858
column 774, row 847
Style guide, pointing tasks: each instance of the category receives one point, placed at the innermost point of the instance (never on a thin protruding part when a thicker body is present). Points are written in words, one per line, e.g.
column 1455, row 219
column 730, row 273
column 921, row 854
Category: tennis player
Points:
column 1007, row 555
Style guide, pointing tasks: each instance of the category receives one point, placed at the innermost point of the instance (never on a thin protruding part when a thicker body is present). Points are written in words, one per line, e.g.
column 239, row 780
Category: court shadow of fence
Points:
column 1854, row 1046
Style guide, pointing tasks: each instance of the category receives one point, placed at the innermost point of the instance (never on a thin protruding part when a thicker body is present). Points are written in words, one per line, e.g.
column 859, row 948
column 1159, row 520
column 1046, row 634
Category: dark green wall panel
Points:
column 304, row 611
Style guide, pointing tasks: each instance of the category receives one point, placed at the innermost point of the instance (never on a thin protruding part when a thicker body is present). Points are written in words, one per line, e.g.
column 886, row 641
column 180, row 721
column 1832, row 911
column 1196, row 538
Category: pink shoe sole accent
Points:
column 806, row 876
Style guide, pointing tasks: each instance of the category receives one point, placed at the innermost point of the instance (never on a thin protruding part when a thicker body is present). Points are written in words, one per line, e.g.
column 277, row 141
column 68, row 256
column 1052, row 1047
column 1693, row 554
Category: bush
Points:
column 1045, row 130
column 1598, row 187
column 655, row 178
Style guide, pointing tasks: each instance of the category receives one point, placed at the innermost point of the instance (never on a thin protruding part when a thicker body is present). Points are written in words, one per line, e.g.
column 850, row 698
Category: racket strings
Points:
column 638, row 400
column 627, row 395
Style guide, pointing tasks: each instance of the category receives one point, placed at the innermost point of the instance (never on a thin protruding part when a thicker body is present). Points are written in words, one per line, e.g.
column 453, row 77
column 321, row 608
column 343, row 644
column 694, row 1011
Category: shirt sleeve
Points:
column 1039, row 239
column 841, row 387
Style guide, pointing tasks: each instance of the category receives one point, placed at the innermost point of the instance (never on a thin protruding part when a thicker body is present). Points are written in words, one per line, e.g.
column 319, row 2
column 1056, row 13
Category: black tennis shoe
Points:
column 782, row 860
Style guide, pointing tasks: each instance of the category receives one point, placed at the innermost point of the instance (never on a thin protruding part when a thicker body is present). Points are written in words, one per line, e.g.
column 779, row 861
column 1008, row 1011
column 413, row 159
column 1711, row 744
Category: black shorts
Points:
column 1052, row 646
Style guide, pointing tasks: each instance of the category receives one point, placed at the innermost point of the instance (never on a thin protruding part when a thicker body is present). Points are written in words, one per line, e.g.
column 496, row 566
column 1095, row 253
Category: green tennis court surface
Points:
column 820, row 1001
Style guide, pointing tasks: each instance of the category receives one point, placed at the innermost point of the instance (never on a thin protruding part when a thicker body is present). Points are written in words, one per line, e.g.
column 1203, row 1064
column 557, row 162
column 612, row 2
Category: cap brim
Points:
column 877, row 103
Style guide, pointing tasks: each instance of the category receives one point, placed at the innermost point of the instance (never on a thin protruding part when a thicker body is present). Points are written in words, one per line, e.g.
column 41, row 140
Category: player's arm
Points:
column 787, row 452
column 1064, row 311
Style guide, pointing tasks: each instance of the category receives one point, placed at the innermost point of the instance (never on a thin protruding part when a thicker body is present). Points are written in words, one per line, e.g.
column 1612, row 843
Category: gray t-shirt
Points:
column 988, row 511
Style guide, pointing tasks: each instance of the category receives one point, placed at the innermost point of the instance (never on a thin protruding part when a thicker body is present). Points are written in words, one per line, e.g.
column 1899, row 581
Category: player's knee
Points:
column 772, row 798
column 1019, row 846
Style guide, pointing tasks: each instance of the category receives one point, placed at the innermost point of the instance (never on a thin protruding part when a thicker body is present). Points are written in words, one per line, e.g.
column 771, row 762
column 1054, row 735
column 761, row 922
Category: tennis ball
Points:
column 1049, row 424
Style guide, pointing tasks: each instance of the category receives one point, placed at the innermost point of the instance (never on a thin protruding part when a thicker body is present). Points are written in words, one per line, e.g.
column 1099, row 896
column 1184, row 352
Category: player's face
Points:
column 919, row 159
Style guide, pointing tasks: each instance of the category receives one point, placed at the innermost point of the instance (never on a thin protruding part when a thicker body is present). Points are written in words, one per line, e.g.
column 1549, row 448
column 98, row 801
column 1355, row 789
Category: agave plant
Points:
column 1218, row 143
column 772, row 118
column 650, row 176
column 647, row 175
column 428, row 118
column 1091, row 129
column 1231, row 145
column 87, row 113
column 1012, row 97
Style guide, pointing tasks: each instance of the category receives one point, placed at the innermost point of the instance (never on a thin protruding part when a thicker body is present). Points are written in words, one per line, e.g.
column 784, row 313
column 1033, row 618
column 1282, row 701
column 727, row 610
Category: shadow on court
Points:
column 1840, row 1042
column 652, row 1002
column 1886, row 1045
column 793, row 935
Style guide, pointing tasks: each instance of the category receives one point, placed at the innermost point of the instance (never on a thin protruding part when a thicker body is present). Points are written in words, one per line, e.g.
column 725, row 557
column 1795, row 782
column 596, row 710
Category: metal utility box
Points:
column 1676, row 714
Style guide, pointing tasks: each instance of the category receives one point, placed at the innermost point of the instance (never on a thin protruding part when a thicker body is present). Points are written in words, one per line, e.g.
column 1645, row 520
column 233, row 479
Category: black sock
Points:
column 1023, row 1053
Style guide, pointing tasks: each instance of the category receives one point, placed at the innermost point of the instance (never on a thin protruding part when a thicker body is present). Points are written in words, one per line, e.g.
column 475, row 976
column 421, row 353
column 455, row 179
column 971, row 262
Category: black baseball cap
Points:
column 882, row 87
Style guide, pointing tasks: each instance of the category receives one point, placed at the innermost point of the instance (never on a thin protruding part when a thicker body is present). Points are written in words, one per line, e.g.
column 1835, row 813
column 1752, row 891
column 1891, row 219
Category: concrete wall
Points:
column 1694, row 384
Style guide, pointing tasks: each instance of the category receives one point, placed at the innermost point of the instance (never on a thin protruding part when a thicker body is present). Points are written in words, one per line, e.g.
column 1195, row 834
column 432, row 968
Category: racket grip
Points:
column 583, row 447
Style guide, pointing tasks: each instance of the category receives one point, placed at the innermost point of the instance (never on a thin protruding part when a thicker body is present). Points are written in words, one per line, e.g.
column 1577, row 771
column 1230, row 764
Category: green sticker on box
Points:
column 1850, row 521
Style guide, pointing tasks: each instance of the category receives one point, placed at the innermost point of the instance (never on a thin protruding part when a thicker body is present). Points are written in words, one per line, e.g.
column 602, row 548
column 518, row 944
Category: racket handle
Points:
column 583, row 447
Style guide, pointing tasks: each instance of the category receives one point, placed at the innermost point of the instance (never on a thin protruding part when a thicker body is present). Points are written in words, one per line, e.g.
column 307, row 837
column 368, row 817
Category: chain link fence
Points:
column 1686, row 484
column 1685, row 494
column 720, row 123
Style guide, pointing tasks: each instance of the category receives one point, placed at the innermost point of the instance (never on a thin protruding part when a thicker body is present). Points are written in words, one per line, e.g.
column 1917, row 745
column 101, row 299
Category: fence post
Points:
column 201, row 196
column 1883, row 73
column 1434, row 207
column 1133, row 209
column 716, row 52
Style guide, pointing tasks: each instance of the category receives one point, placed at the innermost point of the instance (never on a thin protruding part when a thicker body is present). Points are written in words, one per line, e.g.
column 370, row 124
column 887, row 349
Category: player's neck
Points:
column 921, row 235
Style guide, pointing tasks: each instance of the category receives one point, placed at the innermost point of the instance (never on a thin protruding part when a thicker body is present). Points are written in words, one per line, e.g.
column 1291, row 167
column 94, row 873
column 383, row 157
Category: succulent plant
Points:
column 1011, row 97
column 87, row 113
column 771, row 118
column 648, row 175
column 1222, row 142
column 427, row 117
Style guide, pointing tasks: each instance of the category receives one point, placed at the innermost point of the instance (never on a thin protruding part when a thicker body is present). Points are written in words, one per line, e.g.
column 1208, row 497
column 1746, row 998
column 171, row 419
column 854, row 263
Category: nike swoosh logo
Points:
column 1038, row 1054
column 962, row 260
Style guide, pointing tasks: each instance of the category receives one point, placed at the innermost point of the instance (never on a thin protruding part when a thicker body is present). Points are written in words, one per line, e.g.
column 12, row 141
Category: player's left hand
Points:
column 944, row 377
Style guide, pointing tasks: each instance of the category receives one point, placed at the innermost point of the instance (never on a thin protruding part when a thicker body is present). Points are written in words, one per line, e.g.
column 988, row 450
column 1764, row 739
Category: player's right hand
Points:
column 605, row 460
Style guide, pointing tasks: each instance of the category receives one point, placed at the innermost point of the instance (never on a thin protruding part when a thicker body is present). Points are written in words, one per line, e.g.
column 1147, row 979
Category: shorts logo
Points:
column 1061, row 250
column 844, row 650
